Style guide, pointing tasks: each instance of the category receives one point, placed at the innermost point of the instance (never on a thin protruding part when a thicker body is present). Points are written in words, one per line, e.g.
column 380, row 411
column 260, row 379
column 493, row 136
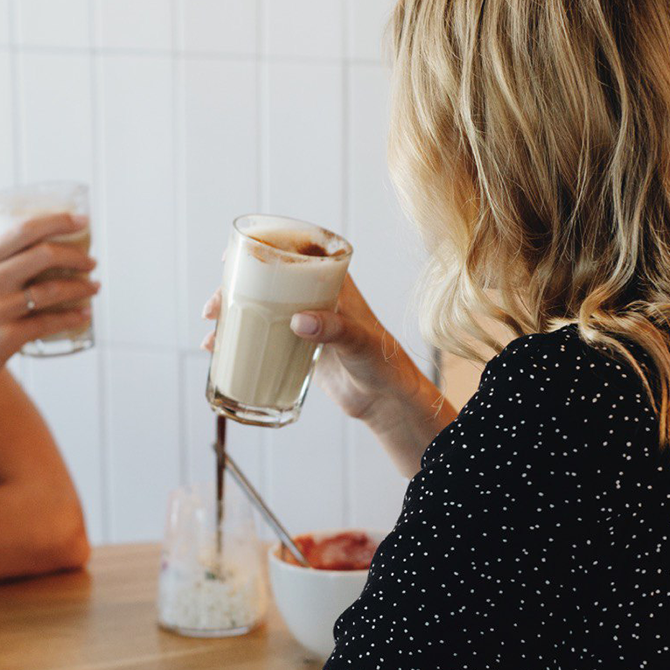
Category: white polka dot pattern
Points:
column 536, row 534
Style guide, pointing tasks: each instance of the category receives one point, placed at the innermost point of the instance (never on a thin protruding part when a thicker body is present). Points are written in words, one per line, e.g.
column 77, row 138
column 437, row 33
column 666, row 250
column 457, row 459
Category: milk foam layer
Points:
column 15, row 208
column 282, row 277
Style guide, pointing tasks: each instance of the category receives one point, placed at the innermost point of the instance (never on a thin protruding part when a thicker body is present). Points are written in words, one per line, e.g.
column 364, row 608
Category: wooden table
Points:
column 104, row 618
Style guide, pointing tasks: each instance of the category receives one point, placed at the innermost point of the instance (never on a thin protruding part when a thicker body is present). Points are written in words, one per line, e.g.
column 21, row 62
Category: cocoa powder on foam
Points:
column 304, row 248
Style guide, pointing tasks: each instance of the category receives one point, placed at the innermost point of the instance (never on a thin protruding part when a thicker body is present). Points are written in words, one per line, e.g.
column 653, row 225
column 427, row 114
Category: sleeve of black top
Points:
column 464, row 579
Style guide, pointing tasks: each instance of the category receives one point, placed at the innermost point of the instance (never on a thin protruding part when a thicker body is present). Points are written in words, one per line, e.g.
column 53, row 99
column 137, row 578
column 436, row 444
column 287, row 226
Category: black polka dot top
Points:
column 536, row 533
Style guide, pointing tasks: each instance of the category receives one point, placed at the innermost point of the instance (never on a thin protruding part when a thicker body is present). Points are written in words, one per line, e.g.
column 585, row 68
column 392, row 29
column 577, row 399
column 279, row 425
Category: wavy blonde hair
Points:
column 530, row 141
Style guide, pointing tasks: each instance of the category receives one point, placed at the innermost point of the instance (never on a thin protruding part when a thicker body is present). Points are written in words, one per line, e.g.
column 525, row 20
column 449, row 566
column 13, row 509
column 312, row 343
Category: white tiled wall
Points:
column 218, row 169
column 55, row 115
column 183, row 114
column 6, row 125
column 218, row 26
column 52, row 23
column 304, row 29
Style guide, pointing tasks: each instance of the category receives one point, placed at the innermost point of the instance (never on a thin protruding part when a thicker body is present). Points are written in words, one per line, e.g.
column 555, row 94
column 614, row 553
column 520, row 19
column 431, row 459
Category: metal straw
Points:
column 265, row 511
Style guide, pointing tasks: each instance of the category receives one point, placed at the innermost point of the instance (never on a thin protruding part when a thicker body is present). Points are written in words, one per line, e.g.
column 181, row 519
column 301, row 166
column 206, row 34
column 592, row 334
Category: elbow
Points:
column 74, row 549
column 41, row 534
column 65, row 545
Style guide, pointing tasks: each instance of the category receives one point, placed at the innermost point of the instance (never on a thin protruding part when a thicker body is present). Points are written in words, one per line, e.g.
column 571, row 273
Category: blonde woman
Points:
column 531, row 144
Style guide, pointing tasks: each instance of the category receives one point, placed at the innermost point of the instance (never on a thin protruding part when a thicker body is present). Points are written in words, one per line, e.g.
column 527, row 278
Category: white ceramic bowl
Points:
column 310, row 601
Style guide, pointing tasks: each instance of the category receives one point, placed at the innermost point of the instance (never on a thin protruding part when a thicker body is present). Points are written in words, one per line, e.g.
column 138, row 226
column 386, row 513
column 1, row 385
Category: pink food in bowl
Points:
column 349, row 550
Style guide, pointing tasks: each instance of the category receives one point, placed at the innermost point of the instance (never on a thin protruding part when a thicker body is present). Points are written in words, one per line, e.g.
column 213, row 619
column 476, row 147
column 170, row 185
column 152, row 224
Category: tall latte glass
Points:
column 23, row 203
column 275, row 267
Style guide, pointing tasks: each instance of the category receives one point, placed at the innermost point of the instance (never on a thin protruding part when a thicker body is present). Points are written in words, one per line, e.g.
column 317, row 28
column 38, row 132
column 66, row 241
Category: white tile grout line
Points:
column 260, row 182
column 95, row 9
column 104, row 366
column 184, row 461
column 265, row 460
column 178, row 153
column 141, row 347
column 16, row 93
column 179, row 125
column 24, row 363
column 192, row 54
column 97, row 188
column 269, row 451
column 347, row 435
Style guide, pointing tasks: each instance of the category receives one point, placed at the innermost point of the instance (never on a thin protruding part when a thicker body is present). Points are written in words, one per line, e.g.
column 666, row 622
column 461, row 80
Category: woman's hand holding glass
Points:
column 25, row 253
column 369, row 375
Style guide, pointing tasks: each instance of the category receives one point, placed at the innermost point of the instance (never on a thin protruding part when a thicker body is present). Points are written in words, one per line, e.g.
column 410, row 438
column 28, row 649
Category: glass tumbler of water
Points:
column 32, row 201
column 275, row 267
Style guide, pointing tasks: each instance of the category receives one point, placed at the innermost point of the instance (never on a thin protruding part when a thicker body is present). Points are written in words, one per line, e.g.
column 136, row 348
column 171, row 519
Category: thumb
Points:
column 329, row 328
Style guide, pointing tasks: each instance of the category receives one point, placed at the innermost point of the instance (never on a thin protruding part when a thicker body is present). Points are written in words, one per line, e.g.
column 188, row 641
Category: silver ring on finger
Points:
column 31, row 305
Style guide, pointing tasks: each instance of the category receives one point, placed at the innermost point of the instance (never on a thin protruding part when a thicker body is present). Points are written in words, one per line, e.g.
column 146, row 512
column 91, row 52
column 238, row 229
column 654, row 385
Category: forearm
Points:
column 369, row 374
column 406, row 422
column 41, row 521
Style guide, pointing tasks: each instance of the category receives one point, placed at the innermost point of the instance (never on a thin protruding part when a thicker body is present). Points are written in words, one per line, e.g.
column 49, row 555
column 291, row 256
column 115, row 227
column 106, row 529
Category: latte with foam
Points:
column 274, row 269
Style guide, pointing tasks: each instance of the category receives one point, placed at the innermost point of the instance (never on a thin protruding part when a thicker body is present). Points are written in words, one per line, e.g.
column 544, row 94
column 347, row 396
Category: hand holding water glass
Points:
column 45, row 288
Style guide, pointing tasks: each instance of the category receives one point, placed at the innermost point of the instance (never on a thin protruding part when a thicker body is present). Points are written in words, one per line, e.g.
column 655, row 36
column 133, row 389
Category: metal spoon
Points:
column 265, row 511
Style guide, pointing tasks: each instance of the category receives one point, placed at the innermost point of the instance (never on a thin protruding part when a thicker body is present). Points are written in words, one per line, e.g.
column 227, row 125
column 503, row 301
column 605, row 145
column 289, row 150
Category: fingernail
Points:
column 304, row 324
column 86, row 311
column 208, row 309
column 80, row 221
column 206, row 344
column 92, row 262
column 96, row 285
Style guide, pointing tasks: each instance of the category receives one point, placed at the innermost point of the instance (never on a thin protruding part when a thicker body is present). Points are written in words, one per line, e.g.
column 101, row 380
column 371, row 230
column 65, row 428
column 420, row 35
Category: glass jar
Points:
column 203, row 592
